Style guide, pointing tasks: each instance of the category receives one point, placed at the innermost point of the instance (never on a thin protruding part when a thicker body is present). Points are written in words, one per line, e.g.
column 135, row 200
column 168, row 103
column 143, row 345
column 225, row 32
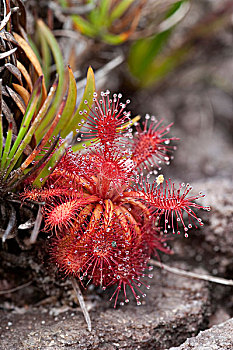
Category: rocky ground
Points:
column 160, row 322
column 175, row 308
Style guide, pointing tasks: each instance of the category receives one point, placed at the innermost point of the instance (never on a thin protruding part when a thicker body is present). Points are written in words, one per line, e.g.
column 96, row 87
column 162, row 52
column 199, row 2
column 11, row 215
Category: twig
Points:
column 11, row 224
column 60, row 12
column 81, row 302
column 181, row 272
column 78, row 10
column 66, row 33
column 102, row 72
column 2, row 292
column 175, row 18
column 36, row 228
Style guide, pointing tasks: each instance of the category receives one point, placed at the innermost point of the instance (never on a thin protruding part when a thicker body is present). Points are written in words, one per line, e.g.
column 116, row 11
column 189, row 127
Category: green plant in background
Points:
column 111, row 21
column 151, row 60
column 145, row 54
column 37, row 116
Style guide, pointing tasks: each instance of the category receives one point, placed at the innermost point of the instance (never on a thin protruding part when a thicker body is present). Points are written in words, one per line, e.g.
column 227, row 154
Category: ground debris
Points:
column 175, row 308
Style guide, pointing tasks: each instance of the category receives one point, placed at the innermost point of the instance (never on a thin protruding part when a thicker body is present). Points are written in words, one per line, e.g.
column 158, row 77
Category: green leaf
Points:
column 144, row 51
column 46, row 59
column 20, row 176
column 51, row 163
column 32, row 105
column 162, row 66
column 63, row 3
column 53, row 45
column 34, row 48
column 83, row 109
column 120, row 9
column 175, row 7
column 69, row 107
column 83, row 26
column 102, row 20
column 31, row 131
column 7, row 146
column 115, row 39
column 93, row 16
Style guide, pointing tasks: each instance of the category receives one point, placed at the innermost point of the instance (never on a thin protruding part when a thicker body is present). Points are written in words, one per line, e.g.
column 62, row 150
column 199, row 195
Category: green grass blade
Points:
column 32, row 105
column 19, row 177
column 34, row 48
column 7, row 146
column 83, row 26
column 44, row 140
column 115, row 39
column 175, row 7
column 63, row 3
column 162, row 66
column 37, row 88
column 83, row 107
column 144, row 51
column 23, row 167
column 31, row 131
column 46, row 60
column 51, row 164
column 53, row 45
column 103, row 13
column 69, row 107
column 119, row 9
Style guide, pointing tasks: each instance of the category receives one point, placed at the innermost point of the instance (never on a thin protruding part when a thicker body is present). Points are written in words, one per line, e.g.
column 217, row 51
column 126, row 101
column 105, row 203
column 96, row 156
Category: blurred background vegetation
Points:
column 172, row 58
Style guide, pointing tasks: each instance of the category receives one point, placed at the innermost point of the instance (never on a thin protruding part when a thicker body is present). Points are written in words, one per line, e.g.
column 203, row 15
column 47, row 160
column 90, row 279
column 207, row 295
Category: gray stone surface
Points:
column 212, row 245
column 216, row 338
column 175, row 308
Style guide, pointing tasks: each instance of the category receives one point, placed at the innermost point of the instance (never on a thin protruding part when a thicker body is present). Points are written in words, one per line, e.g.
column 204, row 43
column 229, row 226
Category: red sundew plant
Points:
column 150, row 147
column 108, row 221
column 106, row 119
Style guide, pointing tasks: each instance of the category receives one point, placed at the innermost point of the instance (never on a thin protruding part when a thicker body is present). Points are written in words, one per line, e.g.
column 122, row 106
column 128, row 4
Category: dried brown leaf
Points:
column 5, row 21
column 8, row 37
column 7, row 53
column 25, row 74
column 17, row 98
column 22, row 92
column 9, row 117
column 15, row 71
column 4, row 92
column 33, row 59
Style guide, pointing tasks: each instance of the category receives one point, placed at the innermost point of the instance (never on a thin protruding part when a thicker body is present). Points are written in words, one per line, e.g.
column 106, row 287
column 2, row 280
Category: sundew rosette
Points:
column 107, row 219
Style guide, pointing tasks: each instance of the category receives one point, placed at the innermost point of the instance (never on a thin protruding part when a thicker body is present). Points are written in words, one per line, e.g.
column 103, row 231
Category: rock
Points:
column 220, row 316
column 212, row 244
column 174, row 309
column 216, row 338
